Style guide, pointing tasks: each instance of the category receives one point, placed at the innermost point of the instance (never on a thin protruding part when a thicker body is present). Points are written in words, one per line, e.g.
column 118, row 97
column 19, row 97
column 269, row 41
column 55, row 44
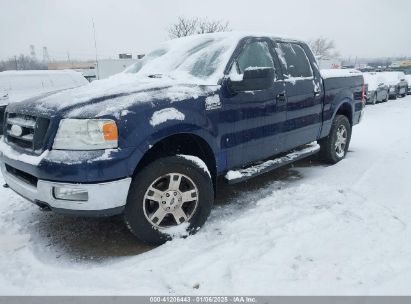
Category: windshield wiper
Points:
column 155, row 76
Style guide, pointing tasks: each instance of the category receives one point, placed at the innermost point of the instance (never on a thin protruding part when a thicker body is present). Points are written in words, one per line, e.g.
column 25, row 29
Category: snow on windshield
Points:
column 201, row 57
column 373, row 80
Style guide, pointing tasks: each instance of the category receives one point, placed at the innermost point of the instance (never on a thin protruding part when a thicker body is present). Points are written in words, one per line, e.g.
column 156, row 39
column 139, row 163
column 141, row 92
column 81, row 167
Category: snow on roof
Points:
column 335, row 73
column 392, row 78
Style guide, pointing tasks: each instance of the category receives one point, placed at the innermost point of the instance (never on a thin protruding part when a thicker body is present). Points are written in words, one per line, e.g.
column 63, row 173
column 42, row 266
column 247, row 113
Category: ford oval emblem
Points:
column 16, row 130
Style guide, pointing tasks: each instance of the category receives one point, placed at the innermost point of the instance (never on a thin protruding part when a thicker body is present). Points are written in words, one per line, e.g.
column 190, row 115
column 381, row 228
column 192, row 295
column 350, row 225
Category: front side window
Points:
column 255, row 54
column 294, row 60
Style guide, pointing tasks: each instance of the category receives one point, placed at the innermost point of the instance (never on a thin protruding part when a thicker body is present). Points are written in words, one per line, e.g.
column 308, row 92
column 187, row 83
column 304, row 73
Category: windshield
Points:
column 191, row 58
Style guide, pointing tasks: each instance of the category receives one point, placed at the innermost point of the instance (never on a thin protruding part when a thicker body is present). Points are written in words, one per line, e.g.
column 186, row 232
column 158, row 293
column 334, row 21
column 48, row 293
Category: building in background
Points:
column 329, row 63
column 89, row 69
column 109, row 67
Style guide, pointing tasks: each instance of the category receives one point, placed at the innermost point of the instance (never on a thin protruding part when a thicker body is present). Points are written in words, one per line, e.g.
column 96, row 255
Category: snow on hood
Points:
column 112, row 96
column 373, row 80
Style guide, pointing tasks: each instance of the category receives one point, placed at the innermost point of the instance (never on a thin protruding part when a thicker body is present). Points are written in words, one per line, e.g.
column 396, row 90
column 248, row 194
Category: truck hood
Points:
column 110, row 97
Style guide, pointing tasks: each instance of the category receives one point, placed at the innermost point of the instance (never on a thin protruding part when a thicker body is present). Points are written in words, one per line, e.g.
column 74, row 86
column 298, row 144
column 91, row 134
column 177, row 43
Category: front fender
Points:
column 147, row 130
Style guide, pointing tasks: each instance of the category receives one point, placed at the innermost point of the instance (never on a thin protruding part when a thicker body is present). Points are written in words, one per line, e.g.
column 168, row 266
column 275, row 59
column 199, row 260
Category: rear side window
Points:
column 255, row 54
column 294, row 60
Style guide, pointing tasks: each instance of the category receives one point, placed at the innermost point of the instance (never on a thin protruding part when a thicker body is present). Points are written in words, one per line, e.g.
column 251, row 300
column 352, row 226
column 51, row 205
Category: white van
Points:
column 17, row 86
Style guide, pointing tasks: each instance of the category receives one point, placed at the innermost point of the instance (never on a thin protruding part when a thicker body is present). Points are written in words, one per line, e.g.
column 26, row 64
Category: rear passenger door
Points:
column 304, row 98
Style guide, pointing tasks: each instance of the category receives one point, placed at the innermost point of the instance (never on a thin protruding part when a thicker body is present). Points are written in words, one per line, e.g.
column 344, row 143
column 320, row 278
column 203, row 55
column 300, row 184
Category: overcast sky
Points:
column 364, row 28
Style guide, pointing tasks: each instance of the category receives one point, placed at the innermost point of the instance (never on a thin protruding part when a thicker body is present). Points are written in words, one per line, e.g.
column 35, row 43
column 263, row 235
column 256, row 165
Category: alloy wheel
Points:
column 341, row 141
column 170, row 200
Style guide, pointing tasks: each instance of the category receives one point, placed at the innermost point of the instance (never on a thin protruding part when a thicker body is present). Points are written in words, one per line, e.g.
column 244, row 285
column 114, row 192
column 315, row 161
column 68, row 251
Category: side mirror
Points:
column 254, row 79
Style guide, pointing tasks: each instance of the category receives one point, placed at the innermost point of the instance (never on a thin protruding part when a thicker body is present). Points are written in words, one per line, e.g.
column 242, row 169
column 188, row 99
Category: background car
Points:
column 376, row 89
column 17, row 86
column 397, row 84
column 408, row 79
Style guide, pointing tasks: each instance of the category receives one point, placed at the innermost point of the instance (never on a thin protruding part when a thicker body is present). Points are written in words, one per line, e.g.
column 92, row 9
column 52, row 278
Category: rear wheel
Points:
column 171, row 196
column 335, row 146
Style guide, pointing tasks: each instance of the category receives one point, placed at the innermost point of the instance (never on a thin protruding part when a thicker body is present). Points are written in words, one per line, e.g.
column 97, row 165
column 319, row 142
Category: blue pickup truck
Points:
column 149, row 143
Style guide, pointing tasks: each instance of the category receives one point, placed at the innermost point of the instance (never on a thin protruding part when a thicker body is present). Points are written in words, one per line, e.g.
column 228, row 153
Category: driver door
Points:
column 251, row 122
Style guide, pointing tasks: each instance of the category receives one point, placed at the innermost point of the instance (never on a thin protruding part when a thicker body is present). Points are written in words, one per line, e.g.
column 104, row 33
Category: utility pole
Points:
column 95, row 47
column 32, row 52
column 15, row 60
column 46, row 57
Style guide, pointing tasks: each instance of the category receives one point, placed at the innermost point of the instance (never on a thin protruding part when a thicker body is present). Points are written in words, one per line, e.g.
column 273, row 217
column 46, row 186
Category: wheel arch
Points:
column 345, row 108
column 181, row 143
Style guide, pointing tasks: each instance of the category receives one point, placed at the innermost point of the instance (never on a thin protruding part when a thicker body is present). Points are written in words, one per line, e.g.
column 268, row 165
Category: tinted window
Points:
column 255, row 54
column 294, row 60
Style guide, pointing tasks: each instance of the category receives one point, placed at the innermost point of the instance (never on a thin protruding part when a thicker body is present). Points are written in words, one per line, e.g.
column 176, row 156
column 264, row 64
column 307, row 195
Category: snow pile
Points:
column 335, row 73
column 179, row 231
column 164, row 115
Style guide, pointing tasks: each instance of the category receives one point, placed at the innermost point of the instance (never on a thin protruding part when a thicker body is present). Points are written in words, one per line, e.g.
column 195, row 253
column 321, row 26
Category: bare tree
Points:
column 22, row 62
column 213, row 26
column 183, row 27
column 323, row 47
column 190, row 26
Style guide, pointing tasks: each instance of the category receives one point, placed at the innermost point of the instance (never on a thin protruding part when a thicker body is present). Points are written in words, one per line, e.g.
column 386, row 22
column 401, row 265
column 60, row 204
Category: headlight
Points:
column 86, row 134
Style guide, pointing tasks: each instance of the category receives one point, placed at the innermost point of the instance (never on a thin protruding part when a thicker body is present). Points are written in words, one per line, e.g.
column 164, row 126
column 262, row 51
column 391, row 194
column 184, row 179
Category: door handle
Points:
column 281, row 98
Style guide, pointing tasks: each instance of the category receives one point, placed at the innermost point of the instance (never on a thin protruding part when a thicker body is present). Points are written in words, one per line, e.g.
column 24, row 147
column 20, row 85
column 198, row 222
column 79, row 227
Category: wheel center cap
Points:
column 171, row 200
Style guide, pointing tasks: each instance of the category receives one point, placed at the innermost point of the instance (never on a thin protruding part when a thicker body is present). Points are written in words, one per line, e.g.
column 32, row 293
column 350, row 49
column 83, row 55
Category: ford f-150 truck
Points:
column 149, row 143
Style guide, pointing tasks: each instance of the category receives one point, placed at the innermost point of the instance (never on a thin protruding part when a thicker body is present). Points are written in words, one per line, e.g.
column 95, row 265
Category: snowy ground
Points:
column 307, row 229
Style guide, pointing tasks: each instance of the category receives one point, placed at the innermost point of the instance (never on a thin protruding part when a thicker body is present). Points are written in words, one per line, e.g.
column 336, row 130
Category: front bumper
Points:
column 106, row 198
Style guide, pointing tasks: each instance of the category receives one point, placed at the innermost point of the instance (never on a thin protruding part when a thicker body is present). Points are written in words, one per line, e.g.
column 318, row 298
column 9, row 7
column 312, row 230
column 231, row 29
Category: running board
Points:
column 236, row 176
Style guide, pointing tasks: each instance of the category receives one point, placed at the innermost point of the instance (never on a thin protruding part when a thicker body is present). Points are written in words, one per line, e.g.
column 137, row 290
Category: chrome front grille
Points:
column 26, row 131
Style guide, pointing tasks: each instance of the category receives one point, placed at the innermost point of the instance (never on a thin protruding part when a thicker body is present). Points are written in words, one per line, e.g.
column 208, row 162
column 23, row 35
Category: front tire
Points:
column 374, row 99
column 166, row 195
column 387, row 97
column 335, row 146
